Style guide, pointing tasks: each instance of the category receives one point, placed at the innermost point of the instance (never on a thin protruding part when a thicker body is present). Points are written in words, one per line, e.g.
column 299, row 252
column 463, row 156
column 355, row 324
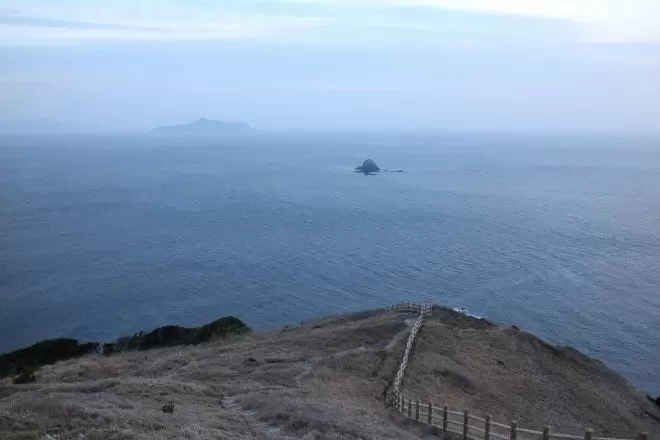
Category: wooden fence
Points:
column 463, row 423
column 423, row 310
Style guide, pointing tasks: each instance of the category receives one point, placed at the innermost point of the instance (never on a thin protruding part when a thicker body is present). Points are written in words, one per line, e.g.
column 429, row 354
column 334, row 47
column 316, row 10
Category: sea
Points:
column 106, row 235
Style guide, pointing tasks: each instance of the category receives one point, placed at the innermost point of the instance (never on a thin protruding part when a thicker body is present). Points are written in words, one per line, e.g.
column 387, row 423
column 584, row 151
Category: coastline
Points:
column 60, row 349
column 326, row 377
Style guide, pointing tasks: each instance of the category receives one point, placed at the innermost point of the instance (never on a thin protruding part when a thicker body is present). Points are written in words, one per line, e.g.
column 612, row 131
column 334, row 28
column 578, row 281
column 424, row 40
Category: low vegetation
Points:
column 171, row 335
column 48, row 352
column 321, row 380
column 25, row 376
column 43, row 353
column 510, row 374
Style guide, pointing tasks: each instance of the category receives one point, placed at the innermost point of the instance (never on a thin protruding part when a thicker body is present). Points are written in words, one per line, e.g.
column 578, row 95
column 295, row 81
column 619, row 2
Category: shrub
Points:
column 26, row 376
column 43, row 353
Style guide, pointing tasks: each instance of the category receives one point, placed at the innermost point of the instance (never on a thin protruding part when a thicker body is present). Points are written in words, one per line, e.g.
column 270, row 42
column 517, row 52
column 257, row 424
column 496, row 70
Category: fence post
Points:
column 430, row 415
column 417, row 411
column 546, row 433
column 410, row 409
column 466, row 420
column 487, row 429
column 588, row 433
column 643, row 436
column 514, row 430
column 445, row 414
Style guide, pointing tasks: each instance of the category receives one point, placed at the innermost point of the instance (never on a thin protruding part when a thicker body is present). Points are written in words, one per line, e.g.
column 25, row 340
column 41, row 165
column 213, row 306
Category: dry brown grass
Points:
column 322, row 379
column 512, row 375
column 319, row 380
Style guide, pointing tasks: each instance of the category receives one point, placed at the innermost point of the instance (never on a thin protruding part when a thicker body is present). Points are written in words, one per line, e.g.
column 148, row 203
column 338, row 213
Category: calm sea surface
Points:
column 102, row 236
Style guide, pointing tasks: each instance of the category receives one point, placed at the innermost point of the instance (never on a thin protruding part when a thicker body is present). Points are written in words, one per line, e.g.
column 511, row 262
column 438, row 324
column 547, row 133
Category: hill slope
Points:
column 324, row 379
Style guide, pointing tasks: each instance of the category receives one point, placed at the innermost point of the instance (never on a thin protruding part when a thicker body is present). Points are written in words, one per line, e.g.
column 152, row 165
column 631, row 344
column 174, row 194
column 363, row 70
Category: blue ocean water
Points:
column 103, row 236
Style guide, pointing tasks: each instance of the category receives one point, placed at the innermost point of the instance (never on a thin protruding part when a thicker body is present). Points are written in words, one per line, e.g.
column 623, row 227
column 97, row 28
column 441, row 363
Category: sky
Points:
column 334, row 64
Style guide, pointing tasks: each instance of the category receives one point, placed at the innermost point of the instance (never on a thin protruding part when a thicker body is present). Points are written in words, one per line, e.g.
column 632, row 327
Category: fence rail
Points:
column 423, row 310
column 425, row 412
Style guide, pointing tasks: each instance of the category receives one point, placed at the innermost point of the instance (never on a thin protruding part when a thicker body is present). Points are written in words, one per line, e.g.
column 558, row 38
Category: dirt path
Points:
column 274, row 432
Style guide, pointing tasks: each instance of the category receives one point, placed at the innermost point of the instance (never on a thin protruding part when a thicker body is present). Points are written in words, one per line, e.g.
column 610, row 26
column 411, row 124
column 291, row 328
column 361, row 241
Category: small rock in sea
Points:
column 515, row 327
column 368, row 167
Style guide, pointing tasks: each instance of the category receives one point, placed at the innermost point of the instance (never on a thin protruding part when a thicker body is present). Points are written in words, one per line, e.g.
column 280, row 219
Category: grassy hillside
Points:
column 324, row 379
column 513, row 375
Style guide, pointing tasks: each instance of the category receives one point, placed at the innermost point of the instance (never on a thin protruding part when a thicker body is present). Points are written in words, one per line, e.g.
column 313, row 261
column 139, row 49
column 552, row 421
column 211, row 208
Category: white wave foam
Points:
column 466, row 312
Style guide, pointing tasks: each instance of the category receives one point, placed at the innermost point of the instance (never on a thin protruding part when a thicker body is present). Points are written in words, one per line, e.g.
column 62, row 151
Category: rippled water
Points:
column 104, row 236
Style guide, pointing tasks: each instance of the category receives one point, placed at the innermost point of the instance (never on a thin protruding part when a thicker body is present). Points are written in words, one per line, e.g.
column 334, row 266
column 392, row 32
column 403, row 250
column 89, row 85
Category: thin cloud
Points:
column 602, row 20
column 340, row 22
column 70, row 24
column 359, row 23
column 583, row 10
column 367, row 89
column 47, row 32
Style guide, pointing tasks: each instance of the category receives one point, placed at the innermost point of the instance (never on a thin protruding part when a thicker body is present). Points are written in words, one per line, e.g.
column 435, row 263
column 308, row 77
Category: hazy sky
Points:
column 430, row 64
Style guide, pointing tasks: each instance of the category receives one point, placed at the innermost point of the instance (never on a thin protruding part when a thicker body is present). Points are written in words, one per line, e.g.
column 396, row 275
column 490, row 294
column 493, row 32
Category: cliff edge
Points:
column 324, row 380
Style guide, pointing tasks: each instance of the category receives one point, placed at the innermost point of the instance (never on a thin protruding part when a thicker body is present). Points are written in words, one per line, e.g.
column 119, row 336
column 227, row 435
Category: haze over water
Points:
column 103, row 236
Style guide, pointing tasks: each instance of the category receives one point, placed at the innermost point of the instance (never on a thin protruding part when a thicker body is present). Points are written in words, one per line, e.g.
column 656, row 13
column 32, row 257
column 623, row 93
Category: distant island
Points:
column 206, row 126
